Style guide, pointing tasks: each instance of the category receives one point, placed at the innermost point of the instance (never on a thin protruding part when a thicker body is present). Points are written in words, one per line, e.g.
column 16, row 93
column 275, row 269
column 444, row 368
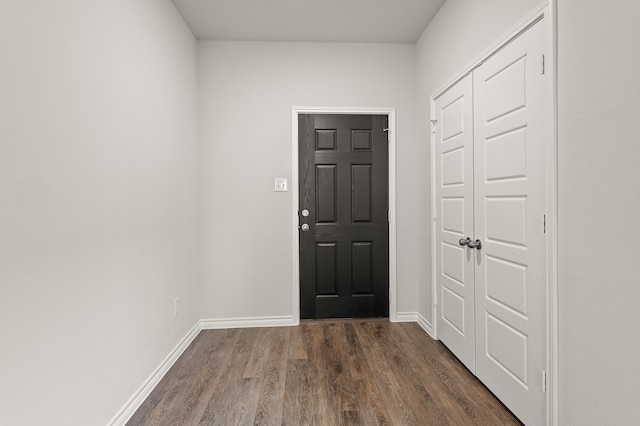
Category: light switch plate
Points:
column 281, row 184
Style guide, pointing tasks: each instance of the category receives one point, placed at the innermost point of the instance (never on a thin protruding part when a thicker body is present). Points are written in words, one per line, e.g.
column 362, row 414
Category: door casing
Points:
column 389, row 112
column 546, row 11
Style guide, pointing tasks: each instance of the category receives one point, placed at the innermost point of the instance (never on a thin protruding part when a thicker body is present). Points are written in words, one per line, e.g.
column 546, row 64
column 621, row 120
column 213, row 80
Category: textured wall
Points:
column 599, row 211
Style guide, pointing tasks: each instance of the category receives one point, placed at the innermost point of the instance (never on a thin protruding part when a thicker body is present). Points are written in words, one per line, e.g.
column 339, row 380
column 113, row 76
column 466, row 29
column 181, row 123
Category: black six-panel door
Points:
column 343, row 213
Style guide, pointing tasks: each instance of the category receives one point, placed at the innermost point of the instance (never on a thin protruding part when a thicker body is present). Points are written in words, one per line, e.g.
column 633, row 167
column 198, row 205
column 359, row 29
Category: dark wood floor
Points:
column 320, row 373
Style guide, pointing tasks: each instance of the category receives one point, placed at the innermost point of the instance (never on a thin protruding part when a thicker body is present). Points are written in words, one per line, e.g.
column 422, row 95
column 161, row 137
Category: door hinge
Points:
column 434, row 123
column 435, row 213
column 544, row 223
column 388, row 216
column 544, row 381
column 543, row 64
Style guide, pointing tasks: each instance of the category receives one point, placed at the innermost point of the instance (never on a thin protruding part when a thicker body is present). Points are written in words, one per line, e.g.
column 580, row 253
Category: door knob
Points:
column 464, row 241
column 305, row 213
column 475, row 244
column 305, row 227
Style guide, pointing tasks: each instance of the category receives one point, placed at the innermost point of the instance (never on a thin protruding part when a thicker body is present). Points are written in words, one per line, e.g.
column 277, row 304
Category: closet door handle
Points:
column 477, row 244
column 464, row 241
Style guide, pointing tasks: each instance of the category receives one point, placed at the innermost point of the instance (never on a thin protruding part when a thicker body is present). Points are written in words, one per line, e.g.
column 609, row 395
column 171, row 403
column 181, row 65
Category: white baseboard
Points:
column 406, row 317
column 416, row 317
column 426, row 326
column 212, row 324
column 144, row 391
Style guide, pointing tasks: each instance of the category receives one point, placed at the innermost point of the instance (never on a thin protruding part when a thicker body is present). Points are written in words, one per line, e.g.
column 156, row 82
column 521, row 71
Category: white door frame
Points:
column 546, row 11
column 391, row 113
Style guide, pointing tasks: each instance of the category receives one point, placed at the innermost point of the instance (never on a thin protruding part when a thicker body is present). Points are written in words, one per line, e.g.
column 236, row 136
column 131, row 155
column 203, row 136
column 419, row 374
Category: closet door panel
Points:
column 510, row 200
column 453, row 151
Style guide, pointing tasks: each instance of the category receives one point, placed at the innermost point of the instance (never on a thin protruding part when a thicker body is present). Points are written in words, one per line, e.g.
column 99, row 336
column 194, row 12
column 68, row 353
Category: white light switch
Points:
column 281, row 184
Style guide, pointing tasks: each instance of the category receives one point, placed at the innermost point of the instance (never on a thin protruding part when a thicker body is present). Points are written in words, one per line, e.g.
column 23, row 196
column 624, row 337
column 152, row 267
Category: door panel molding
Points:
column 454, row 195
column 390, row 113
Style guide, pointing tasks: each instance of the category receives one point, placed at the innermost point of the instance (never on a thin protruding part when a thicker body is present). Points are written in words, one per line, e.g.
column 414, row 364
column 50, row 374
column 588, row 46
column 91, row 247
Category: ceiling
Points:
column 370, row 21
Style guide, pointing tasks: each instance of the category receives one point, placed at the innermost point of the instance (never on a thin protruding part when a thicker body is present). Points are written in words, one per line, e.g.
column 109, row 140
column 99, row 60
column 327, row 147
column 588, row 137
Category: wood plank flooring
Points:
column 351, row 372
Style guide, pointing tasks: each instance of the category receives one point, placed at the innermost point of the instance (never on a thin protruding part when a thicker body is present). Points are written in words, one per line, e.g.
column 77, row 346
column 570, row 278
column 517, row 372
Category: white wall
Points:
column 247, row 93
column 98, row 203
column 462, row 30
column 599, row 211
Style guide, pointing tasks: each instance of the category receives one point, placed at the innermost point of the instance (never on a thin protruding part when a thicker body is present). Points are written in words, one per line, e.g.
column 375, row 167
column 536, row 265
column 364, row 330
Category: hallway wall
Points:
column 599, row 211
column 98, row 203
column 248, row 90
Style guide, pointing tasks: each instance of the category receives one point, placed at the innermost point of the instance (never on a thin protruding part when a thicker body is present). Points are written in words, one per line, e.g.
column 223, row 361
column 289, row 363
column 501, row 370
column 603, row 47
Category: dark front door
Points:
column 343, row 213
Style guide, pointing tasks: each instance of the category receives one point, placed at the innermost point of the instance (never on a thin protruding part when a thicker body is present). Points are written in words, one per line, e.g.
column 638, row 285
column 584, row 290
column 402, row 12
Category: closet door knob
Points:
column 475, row 244
column 464, row 241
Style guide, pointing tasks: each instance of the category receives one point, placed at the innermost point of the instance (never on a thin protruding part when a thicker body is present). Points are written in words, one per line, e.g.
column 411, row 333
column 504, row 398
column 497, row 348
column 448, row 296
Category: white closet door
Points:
column 510, row 200
column 454, row 209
